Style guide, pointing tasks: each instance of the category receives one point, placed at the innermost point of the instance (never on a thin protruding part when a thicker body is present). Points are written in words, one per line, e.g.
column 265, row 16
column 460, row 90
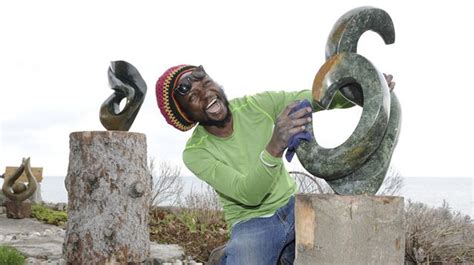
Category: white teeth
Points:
column 212, row 102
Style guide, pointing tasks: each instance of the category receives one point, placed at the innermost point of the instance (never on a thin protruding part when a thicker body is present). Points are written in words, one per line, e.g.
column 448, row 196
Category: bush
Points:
column 48, row 216
column 192, row 229
column 438, row 235
column 167, row 183
column 10, row 256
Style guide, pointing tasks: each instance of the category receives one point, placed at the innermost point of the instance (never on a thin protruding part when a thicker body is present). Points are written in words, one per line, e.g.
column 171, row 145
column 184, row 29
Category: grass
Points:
column 48, row 215
column 10, row 256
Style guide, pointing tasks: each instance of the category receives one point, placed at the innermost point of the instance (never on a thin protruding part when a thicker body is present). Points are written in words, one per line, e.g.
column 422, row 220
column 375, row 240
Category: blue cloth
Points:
column 263, row 240
column 295, row 140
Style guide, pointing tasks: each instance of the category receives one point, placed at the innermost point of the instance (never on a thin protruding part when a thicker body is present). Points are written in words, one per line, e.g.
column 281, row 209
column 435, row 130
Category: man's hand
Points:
column 286, row 126
column 390, row 82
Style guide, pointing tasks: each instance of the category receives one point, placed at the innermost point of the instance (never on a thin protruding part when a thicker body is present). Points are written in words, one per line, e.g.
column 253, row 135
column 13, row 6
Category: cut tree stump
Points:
column 109, row 191
column 335, row 229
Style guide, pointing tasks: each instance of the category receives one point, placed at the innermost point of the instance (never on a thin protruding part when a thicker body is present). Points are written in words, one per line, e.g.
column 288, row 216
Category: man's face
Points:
column 205, row 101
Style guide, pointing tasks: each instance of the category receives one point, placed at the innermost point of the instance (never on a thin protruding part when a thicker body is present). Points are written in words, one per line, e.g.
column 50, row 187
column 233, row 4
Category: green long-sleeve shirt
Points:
column 232, row 165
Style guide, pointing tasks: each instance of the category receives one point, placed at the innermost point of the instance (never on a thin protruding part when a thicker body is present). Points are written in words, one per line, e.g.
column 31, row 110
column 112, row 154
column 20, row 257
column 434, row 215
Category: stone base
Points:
column 335, row 229
column 18, row 210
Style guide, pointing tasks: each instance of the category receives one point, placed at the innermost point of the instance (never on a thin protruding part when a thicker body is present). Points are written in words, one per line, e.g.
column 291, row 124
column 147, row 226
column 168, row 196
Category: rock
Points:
column 3, row 209
column 18, row 210
column 159, row 254
column 2, row 198
column 43, row 247
column 8, row 238
column 61, row 206
column 33, row 261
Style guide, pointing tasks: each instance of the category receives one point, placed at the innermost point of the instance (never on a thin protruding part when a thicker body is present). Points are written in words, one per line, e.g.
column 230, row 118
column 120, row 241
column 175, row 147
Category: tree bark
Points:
column 109, row 190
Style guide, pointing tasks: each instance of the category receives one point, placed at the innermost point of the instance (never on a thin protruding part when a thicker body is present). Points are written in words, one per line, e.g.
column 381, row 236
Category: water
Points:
column 458, row 192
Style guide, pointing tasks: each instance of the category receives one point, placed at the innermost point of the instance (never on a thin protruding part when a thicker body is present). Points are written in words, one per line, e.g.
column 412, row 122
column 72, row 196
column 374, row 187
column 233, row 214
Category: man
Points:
column 237, row 148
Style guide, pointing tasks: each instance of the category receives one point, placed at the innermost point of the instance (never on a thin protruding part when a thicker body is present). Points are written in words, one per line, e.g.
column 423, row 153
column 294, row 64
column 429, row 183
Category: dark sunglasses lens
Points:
column 183, row 89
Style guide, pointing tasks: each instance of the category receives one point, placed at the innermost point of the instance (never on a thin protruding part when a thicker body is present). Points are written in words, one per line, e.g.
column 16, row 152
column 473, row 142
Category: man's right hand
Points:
column 286, row 126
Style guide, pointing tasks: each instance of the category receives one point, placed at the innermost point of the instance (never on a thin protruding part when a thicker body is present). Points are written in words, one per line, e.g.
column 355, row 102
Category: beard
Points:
column 210, row 122
column 222, row 122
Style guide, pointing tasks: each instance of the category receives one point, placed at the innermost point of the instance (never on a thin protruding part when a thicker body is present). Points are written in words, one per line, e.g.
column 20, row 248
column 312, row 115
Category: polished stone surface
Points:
column 368, row 178
column 339, row 71
column 127, row 83
column 347, row 31
column 360, row 164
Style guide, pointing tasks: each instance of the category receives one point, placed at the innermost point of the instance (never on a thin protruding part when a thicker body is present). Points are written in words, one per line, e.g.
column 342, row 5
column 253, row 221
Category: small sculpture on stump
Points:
column 18, row 206
column 127, row 82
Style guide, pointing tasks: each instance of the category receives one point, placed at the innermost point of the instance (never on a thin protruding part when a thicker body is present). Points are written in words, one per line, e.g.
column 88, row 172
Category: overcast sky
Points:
column 54, row 57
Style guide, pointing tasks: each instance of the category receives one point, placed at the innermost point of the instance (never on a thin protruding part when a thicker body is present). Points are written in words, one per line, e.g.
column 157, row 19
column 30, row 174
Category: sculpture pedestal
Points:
column 109, row 192
column 18, row 210
column 335, row 229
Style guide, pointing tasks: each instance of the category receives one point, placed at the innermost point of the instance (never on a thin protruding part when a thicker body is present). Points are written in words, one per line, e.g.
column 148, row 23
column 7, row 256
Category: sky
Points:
column 54, row 57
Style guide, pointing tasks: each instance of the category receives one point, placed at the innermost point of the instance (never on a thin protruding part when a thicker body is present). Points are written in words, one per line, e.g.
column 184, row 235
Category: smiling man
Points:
column 237, row 149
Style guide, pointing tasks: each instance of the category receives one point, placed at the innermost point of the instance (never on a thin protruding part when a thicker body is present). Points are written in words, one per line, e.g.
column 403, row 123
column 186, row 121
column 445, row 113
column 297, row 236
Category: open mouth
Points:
column 214, row 106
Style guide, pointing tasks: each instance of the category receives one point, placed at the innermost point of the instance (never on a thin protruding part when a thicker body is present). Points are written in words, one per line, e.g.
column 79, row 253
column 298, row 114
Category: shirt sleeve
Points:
column 273, row 103
column 249, row 189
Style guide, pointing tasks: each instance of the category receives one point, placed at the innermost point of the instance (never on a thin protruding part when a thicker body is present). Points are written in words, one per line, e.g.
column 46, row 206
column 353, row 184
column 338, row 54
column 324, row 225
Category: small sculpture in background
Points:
column 127, row 82
column 18, row 206
column 360, row 164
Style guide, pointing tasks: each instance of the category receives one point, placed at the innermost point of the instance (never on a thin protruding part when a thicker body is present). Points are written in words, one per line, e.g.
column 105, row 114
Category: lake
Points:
column 458, row 192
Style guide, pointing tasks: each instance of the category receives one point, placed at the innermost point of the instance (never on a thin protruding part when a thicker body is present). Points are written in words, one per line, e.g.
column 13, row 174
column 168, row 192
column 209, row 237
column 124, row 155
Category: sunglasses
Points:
column 185, row 85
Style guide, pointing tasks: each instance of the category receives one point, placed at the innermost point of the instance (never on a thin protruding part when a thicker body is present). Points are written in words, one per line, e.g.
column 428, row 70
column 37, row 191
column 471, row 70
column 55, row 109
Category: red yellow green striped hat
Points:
column 165, row 97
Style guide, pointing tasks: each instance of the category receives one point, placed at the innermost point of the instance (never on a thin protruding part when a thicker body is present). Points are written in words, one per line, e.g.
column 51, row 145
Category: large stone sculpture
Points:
column 127, row 82
column 18, row 206
column 360, row 164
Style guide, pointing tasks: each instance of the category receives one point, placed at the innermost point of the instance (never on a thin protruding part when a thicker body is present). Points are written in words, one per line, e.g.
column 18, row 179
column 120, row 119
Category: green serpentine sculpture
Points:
column 127, row 82
column 18, row 191
column 360, row 164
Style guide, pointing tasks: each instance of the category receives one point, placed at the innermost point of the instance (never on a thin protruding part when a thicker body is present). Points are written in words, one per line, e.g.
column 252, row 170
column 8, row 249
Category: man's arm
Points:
column 248, row 189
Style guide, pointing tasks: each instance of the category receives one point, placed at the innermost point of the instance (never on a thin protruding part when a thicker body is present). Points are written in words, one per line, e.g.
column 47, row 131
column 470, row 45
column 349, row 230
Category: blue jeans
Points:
column 263, row 240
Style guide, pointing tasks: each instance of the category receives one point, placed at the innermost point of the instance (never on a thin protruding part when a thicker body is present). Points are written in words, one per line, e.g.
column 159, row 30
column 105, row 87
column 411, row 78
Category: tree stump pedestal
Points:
column 335, row 229
column 109, row 191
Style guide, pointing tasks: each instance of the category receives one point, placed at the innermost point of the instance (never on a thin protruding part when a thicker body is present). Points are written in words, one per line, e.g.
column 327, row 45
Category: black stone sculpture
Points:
column 127, row 82
column 360, row 164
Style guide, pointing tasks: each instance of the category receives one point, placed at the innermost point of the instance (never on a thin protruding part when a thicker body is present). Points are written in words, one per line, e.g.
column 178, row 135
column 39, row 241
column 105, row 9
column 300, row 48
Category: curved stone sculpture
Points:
column 360, row 164
column 368, row 178
column 339, row 71
column 17, row 191
column 127, row 82
column 346, row 33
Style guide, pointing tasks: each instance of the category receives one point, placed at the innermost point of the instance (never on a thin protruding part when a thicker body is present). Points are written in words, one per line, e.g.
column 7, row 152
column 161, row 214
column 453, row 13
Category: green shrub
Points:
column 10, row 256
column 48, row 216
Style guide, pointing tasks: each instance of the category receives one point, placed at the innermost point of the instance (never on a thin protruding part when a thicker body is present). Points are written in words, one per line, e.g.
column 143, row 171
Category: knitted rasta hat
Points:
column 165, row 97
